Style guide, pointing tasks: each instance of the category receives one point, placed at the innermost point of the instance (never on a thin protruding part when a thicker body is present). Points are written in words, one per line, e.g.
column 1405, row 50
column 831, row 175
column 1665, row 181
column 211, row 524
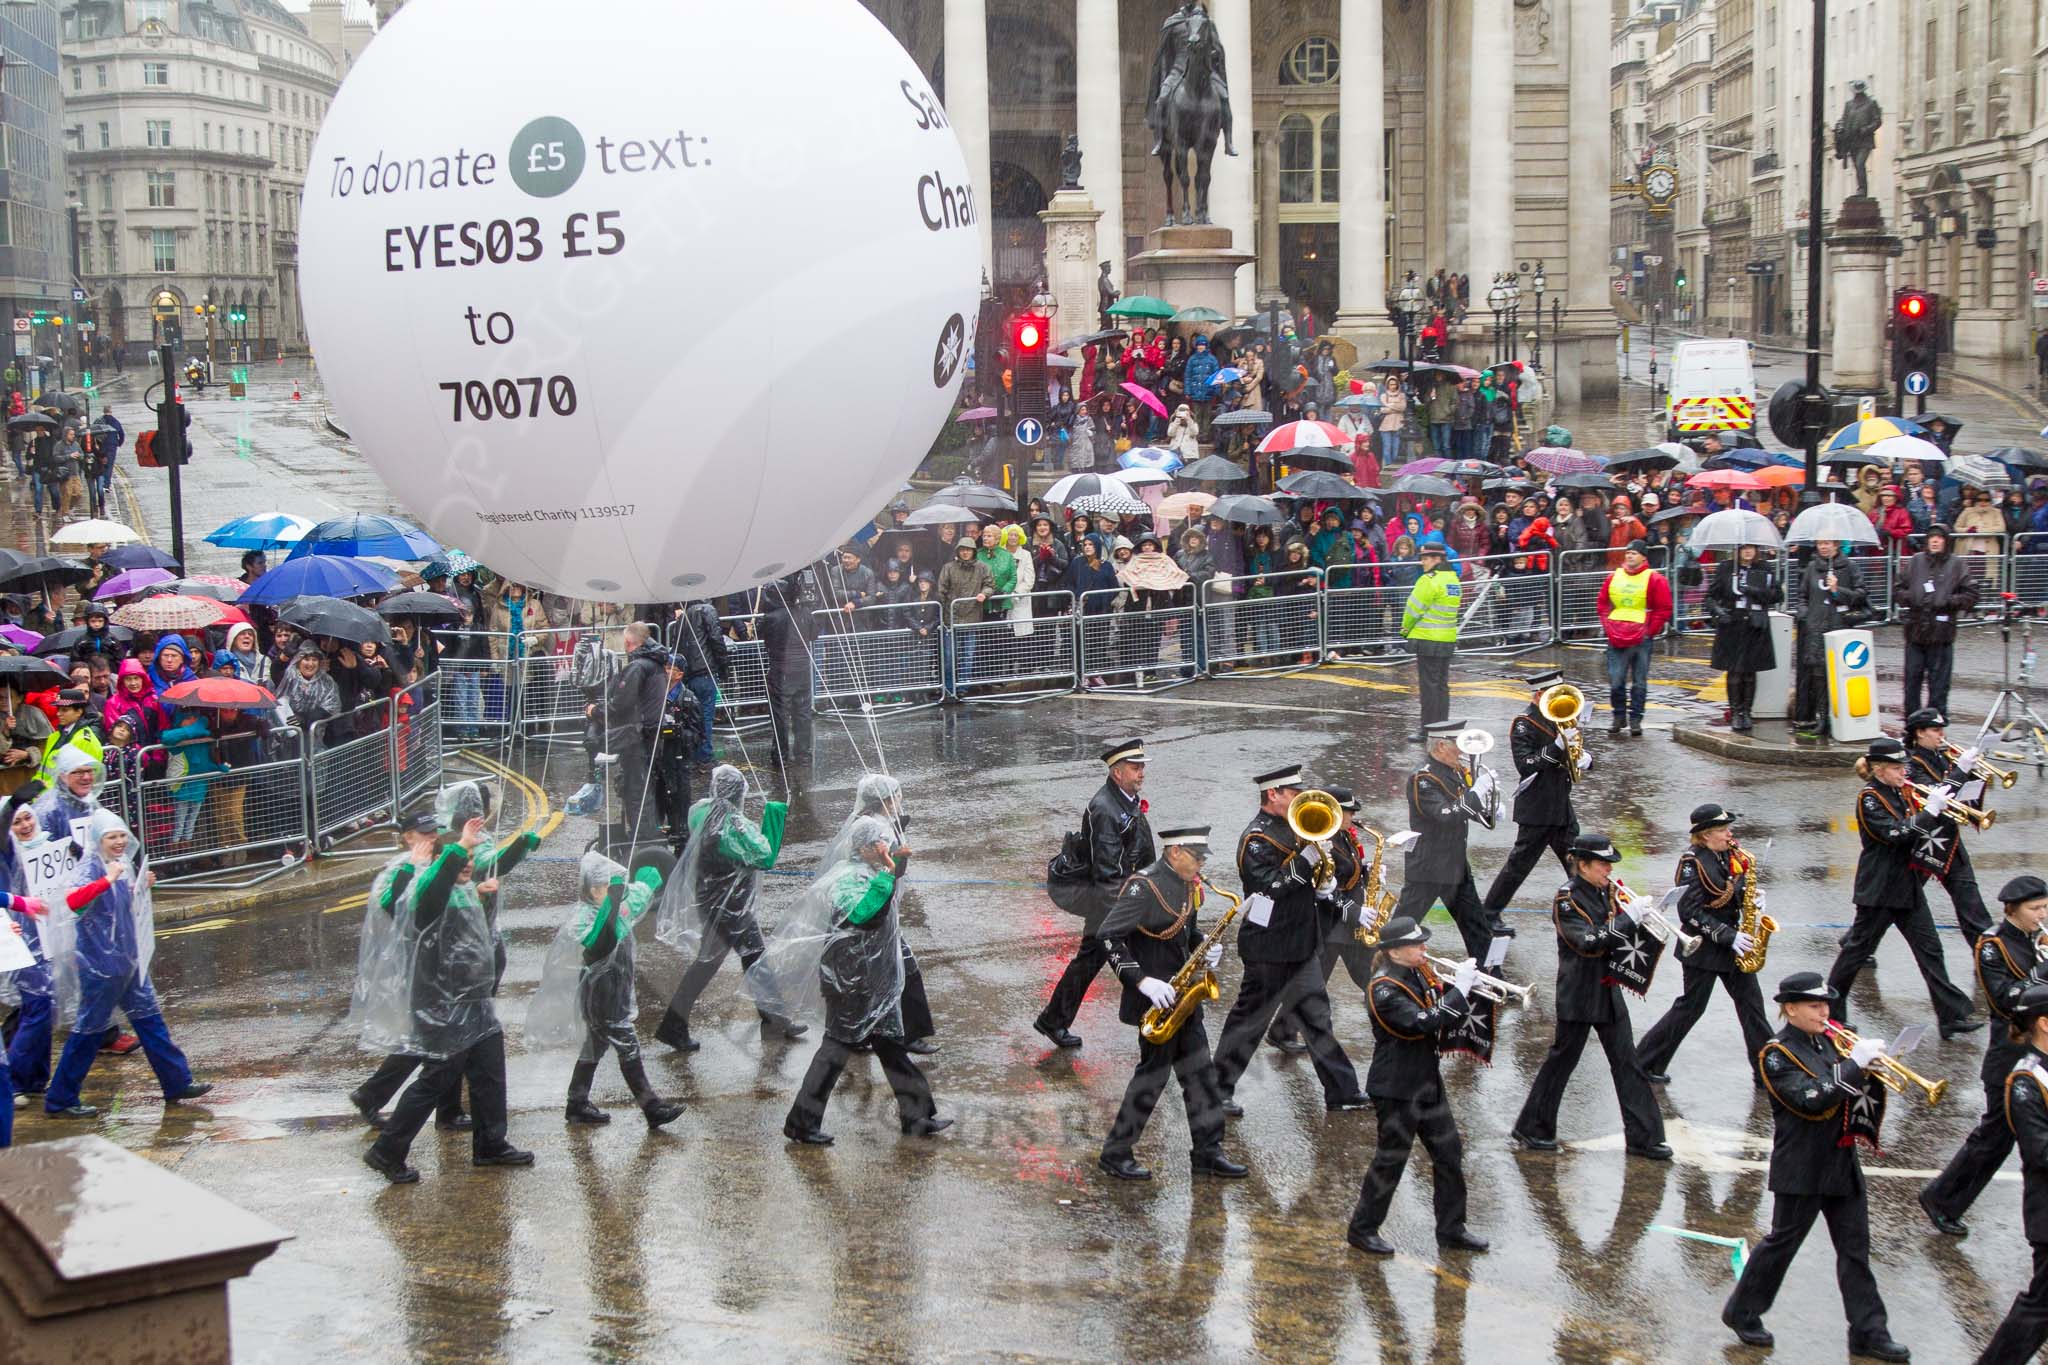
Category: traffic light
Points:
column 1030, row 340
column 166, row 445
column 1913, row 341
column 1678, row 279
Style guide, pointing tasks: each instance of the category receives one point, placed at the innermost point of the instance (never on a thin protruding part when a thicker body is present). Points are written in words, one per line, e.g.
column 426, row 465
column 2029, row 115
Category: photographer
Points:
column 633, row 707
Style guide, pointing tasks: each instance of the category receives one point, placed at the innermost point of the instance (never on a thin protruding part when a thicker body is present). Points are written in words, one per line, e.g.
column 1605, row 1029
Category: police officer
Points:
column 1282, row 956
column 1429, row 623
column 1341, row 915
column 2025, row 1107
column 1543, row 799
column 1815, row 1172
column 1591, row 924
column 1149, row 934
column 1928, row 764
column 1410, row 1008
column 2009, row 961
column 1889, row 891
column 1715, row 874
column 1441, row 807
column 1118, row 841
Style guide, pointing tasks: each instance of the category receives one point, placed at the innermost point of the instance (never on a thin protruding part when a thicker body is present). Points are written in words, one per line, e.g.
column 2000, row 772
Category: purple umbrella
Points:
column 132, row 582
column 977, row 414
column 1559, row 460
column 1427, row 465
column 15, row 635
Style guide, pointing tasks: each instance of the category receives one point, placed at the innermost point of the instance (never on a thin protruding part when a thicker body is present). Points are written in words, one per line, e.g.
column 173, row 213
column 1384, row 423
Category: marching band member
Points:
column 2025, row 1111
column 1410, row 1009
column 1889, row 891
column 1928, row 764
column 1115, row 841
column 1282, row 955
column 1441, row 807
column 1715, row 874
column 1149, row 934
column 1590, row 923
column 1544, row 818
column 1341, row 915
column 2009, row 961
column 1815, row 1171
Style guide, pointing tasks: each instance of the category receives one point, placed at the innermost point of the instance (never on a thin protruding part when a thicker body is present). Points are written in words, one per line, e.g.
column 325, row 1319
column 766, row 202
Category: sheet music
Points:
column 1496, row 953
column 1258, row 909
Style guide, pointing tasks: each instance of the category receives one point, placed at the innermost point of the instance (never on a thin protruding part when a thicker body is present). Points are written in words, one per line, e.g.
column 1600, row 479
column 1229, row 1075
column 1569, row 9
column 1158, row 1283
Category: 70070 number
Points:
column 511, row 398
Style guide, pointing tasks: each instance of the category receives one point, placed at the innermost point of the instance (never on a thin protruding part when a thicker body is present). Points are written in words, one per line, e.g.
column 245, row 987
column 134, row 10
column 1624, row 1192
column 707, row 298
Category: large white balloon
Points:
column 640, row 299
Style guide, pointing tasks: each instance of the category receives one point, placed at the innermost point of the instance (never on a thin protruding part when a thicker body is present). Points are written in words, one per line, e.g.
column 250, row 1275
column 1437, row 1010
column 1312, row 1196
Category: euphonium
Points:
column 1379, row 902
column 1315, row 816
column 1754, row 922
column 1562, row 704
column 1895, row 1074
column 1194, row 982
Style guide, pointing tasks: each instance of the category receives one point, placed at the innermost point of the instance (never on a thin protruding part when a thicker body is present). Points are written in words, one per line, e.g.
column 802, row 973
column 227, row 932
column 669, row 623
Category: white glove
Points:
column 1466, row 977
column 1966, row 761
column 1214, row 958
column 1743, row 943
column 1937, row 801
column 1634, row 907
column 1865, row 1050
column 1157, row 991
column 1585, row 762
column 1559, row 745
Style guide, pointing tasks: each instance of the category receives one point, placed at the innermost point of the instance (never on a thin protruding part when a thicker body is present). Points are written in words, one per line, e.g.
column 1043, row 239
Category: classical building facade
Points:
column 35, row 251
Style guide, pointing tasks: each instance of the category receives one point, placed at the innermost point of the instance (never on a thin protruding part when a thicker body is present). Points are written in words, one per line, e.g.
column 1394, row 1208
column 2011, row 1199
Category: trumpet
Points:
column 1956, row 810
column 1895, row 1074
column 1315, row 817
column 1485, row 986
column 1652, row 919
column 2004, row 777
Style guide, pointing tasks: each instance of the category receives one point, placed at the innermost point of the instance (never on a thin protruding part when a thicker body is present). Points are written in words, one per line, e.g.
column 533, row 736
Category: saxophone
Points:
column 1753, row 922
column 1378, row 904
column 1194, row 982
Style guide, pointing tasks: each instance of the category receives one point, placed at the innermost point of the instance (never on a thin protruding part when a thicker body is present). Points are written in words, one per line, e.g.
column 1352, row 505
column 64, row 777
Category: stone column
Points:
column 1589, row 299
column 1230, row 189
column 1361, row 142
column 1098, row 118
column 1491, row 78
column 1267, row 145
column 967, row 106
column 1858, row 252
column 1072, row 251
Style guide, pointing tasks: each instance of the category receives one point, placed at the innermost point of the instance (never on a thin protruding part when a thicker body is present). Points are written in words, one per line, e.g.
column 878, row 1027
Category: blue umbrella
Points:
column 316, row 575
column 1150, row 457
column 1229, row 374
column 260, row 531
column 139, row 557
column 364, row 533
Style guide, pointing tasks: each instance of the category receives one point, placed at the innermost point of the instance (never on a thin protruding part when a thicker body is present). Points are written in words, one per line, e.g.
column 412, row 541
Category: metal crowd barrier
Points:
column 350, row 774
column 879, row 659
column 1580, row 575
column 481, row 695
column 2029, row 568
column 1503, row 612
column 1134, row 650
column 417, row 756
column 220, row 829
column 1037, row 654
column 551, row 701
column 1362, row 611
column 743, row 693
column 1259, row 635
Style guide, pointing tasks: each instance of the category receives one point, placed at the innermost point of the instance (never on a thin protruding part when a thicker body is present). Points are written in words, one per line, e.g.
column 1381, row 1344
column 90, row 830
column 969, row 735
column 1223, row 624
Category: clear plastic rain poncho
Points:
column 714, row 889
column 61, row 812
column 430, row 995
column 457, row 805
column 837, row 958
column 586, row 982
column 878, row 794
column 34, row 980
column 379, row 1008
column 95, row 950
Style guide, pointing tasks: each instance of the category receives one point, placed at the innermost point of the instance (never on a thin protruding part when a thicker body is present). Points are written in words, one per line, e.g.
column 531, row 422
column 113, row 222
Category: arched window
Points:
column 1312, row 61
column 1308, row 159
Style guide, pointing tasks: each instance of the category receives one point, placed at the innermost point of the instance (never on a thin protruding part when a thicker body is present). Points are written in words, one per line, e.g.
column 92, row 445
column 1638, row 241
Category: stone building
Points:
column 35, row 250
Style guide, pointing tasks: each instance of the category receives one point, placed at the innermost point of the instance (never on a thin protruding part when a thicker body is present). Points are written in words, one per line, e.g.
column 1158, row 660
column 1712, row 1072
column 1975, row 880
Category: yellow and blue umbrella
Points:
column 1870, row 430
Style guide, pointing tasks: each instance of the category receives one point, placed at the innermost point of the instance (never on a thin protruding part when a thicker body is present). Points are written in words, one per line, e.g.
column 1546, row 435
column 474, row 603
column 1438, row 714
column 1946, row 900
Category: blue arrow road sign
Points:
column 1030, row 432
column 1916, row 382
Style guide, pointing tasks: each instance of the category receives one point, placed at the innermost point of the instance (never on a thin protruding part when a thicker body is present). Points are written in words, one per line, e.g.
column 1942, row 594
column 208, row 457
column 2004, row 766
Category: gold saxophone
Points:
column 1754, row 922
column 1194, row 982
column 1378, row 907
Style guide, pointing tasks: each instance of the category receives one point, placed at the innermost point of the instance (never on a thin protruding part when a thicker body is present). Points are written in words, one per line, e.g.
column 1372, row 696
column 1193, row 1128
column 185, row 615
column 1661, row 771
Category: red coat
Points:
column 1622, row 634
column 1894, row 524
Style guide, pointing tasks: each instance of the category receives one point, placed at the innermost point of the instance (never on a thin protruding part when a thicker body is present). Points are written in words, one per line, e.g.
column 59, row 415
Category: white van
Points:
column 1713, row 387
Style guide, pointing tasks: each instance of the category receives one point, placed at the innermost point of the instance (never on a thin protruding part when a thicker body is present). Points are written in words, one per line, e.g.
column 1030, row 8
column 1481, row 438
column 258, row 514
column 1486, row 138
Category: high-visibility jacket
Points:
column 1432, row 610
column 1634, row 607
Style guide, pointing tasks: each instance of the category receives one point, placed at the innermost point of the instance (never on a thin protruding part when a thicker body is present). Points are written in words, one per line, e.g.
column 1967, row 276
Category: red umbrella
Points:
column 1725, row 478
column 1145, row 396
column 220, row 694
column 1305, row 436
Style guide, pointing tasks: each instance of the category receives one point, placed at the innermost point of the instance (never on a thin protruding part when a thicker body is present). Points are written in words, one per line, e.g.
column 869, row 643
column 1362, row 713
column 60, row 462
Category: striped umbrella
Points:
column 1870, row 430
column 1563, row 460
column 1109, row 505
column 1305, row 435
column 1084, row 486
column 171, row 613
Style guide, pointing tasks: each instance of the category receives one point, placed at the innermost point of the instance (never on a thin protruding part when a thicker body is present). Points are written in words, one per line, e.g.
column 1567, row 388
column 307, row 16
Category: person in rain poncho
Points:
column 108, row 958
column 64, row 812
column 839, row 956
column 880, row 795
column 586, row 998
column 28, row 1056
column 708, row 909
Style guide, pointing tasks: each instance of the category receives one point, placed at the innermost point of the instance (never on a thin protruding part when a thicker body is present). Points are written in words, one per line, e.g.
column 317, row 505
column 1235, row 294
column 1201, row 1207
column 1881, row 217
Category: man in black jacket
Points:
column 1715, row 875
column 1544, row 818
column 1281, row 947
column 1889, row 890
column 1118, row 838
column 2025, row 1108
column 700, row 653
column 1934, row 588
column 1149, row 934
column 1815, row 1172
column 1591, row 924
column 1928, row 765
column 632, row 716
column 2009, row 961
column 1341, row 916
column 788, row 624
column 1441, row 807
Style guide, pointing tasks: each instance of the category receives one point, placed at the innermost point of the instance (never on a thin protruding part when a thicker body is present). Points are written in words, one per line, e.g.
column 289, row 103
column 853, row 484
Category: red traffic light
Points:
column 1912, row 307
column 1031, row 333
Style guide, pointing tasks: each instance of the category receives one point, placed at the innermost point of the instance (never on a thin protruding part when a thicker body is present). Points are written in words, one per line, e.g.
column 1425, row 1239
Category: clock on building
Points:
column 1660, row 187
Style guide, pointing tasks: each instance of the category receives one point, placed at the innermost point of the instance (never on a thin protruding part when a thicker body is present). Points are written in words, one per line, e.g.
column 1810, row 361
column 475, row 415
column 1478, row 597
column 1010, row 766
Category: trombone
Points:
column 2004, row 777
column 1956, row 810
column 1895, row 1074
column 1485, row 986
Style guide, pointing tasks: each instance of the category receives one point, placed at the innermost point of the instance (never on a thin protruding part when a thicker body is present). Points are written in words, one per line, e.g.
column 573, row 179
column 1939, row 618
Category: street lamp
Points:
column 1539, row 284
column 1496, row 303
column 1512, row 288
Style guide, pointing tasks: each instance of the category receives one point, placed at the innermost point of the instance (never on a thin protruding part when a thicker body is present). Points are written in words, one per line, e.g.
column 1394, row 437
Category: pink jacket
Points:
column 150, row 718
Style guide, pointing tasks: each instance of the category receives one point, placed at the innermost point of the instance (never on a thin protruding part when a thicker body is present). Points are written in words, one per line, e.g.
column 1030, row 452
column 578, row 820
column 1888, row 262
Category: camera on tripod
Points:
column 2011, row 608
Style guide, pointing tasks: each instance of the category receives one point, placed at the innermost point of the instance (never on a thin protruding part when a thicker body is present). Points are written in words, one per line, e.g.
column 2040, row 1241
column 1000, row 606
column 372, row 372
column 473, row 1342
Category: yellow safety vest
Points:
column 1628, row 596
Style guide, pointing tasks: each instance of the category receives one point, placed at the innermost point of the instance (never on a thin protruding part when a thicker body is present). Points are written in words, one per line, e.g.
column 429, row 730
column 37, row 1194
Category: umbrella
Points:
column 1674, row 513
column 1109, row 505
column 332, row 617
column 1980, row 471
column 1453, row 371
column 1389, row 365
column 1745, row 457
column 1724, row 478
column 420, row 603
column 1092, row 339
column 1870, row 430
column 1150, row 457
column 1229, row 374
column 2018, row 457
column 1134, row 479
column 1730, row 529
column 1306, row 436
column 1339, row 460
column 978, row 414
column 24, row 639
column 171, row 613
column 1651, row 459
column 1850, row 457
column 32, row 419
column 1428, row 464
column 1562, row 460
column 138, row 557
column 260, row 531
column 46, row 570
column 1141, row 306
column 27, row 673
column 1197, row 313
column 366, row 533
column 1213, row 468
column 132, row 582
column 1317, row 486
column 1895, row 448
column 219, row 694
column 1424, row 486
column 449, row 563
column 976, row 497
column 1832, row 521
column 97, row 531
column 217, row 586
column 934, row 513
column 1185, row 506
column 1247, row 509
column 1145, row 396
column 1355, row 402
column 1518, row 485
column 1055, row 361
column 64, row 641
column 1585, row 479
column 1470, row 469
column 1244, row 417
column 1780, row 476
column 317, row 575
column 1083, row 485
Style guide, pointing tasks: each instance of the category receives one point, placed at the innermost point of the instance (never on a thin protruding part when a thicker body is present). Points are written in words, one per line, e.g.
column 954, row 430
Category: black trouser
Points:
column 1927, row 672
column 1186, row 1057
column 711, row 955
column 913, row 1092
column 1660, row 1044
column 1426, row 1113
column 636, row 770
column 1961, row 885
column 392, row 1074
column 1263, row 990
column 1916, row 925
column 1641, row 1124
column 1530, row 843
column 606, row 1028
column 1461, row 898
column 916, row 1007
column 1074, row 982
column 1342, row 946
column 2026, row 1323
column 1433, row 677
column 1810, row 698
column 482, row 1064
column 1976, row 1161
column 789, row 705
column 1792, row 1217
column 672, row 787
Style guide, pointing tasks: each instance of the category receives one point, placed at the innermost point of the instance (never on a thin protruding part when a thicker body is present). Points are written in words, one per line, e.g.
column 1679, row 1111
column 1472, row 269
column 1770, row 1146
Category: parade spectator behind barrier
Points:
column 1183, row 434
column 245, row 658
column 1393, row 413
column 1468, row 534
column 1977, row 514
column 1922, row 507
column 241, row 740
column 1298, row 624
column 135, row 699
column 308, row 694
column 2013, row 506
column 1466, row 418
column 1834, row 599
column 1442, row 406
column 192, row 764
column 170, row 664
column 1001, row 566
column 1894, row 524
column 1935, row 590
column 1624, row 527
column 1869, row 483
column 1635, row 605
column 99, row 637
column 1049, row 557
column 964, row 587
column 852, row 585
column 1016, row 544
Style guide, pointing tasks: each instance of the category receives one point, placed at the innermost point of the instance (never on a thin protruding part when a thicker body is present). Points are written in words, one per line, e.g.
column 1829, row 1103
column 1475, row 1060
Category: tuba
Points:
column 1315, row 817
column 1378, row 907
column 1193, row 983
column 1562, row 704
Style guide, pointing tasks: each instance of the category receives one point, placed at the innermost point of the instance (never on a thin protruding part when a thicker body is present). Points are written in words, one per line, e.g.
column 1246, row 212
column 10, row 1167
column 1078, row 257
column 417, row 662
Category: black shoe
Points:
column 397, row 1172
column 1220, row 1166
column 1415, row 737
column 583, row 1111
column 366, row 1109
column 923, row 1047
column 926, row 1127
column 1535, row 1144
column 1370, row 1242
column 1655, row 1151
column 1970, row 1025
column 1635, row 729
column 191, row 1092
column 1060, row 1037
column 1232, row 1109
column 1461, row 1240
column 1749, row 1333
column 660, row 1112
column 1879, row 1348
column 510, row 1156
column 461, row 1123
column 772, row 1027
column 1287, row 1042
column 76, row 1111
column 1123, row 1168
column 1614, row 727
column 1657, row 1077
column 677, row 1038
column 1347, row 1104
column 809, row 1137
column 1946, row 1223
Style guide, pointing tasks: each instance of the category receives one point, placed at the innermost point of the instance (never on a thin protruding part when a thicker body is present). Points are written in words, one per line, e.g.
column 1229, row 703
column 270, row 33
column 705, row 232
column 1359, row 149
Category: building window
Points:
column 241, row 139
column 106, row 136
column 106, row 194
column 159, row 10
column 163, row 189
column 78, row 78
column 1962, row 28
column 1312, row 61
column 164, row 249
column 89, row 24
column 158, row 132
column 1308, row 159
column 209, row 193
column 156, row 73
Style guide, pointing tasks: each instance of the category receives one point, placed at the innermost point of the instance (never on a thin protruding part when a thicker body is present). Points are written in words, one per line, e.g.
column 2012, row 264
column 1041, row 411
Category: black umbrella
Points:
column 1469, row 469
column 1244, row 417
column 1389, row 365
column 28, row 673
column 1855, row 457
column 1317, row 486
column 32, row 419
column 1424, row 486
column 64, row 641
column 46, row 570
column 428, row 605
column 975, row 497
column 1508, row 485
column 1212, row 469
column 1583, row 480
column 1644, row 459
column 333, row 617
column 139, row 557
column 1676, row 512
column 2018, row 457
column 1093, row 338
column 1247, row 509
